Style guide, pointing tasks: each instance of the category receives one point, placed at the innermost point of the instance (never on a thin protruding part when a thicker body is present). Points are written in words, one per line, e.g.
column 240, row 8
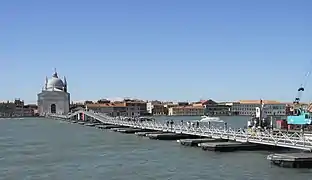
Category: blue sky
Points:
column 167, row 50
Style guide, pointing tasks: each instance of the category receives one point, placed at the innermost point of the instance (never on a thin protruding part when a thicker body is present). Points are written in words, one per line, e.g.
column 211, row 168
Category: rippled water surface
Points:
column 54, row 150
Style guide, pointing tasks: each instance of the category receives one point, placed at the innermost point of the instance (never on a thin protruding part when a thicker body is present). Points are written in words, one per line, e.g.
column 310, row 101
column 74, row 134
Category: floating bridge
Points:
column 281, row 139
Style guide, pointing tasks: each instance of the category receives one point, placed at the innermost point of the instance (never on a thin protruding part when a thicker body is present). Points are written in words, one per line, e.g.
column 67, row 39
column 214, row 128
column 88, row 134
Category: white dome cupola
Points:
column 55, row 83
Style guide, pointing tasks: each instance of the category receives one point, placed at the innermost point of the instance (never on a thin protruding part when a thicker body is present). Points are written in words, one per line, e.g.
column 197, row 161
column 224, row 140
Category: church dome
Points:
column 55, row 83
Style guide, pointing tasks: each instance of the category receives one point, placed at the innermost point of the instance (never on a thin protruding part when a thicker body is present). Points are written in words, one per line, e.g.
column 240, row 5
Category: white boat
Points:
column 210, row 119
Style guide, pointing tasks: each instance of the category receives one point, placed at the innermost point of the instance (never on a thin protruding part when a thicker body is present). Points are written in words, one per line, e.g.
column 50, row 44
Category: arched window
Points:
column 53, row 108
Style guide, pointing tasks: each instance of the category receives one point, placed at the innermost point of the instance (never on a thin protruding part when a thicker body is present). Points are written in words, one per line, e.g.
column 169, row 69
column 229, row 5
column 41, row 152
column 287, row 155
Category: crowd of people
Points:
column 189, row 124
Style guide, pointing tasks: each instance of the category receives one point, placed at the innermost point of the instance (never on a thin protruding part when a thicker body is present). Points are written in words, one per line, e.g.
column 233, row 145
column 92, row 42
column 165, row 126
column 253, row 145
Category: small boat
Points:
column 210, row 119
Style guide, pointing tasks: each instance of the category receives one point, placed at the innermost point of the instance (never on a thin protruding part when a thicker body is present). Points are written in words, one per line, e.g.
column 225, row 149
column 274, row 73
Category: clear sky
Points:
column 162, row 49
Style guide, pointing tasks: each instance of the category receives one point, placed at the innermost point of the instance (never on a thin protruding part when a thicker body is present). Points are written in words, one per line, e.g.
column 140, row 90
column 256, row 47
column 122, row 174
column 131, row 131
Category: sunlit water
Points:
column 55, row 150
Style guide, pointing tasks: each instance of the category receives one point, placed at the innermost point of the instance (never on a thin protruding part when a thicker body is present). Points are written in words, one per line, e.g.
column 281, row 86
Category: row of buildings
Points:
column 210, row 107
column 129, row 107
column 55, row 98
column 188, row 109
column 134, row 108
column 247, row 107
column 17, row 108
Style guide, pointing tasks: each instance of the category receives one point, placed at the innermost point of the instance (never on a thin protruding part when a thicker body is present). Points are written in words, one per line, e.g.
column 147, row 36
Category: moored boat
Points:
column 210, row 119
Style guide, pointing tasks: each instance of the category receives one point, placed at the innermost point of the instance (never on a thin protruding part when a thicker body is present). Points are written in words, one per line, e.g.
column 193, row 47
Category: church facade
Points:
column 54, row 97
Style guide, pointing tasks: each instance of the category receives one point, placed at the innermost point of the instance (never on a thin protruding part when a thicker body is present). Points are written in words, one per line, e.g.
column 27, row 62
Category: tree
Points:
column 88, row 102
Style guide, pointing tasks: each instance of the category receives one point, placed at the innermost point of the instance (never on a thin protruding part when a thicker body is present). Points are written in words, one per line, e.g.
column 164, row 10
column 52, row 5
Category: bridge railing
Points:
column 266, row 137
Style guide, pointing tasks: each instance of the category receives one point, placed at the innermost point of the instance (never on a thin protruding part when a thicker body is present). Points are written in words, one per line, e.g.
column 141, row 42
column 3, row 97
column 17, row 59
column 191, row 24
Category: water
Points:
column 54, row 150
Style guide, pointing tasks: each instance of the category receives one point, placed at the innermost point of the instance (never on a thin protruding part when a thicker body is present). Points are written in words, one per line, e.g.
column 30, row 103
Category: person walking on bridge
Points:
column 167, row 123
column 171, row 124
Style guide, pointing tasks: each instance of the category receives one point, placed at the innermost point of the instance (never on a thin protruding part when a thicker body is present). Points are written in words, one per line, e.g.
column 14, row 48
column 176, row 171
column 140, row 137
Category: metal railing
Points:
column 281, row 139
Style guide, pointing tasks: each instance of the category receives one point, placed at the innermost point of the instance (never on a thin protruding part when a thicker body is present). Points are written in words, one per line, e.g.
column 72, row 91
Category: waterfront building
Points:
column 186, row 111
column 7, row 109
column 183, row 103
column 112, row 109
column 156, row 108
column 102, row 101
column 135, row 105
column 218, row 110
column 130, row 108
column 248, row 107
column 159, row 110
column 19, row 108
column 226, row 103
column 78, row 105
column 88, row 102
column 54, row 97
column 169, row 105
column 16, row 108
column 29, row 110
column 149, row 107
column 213, row 108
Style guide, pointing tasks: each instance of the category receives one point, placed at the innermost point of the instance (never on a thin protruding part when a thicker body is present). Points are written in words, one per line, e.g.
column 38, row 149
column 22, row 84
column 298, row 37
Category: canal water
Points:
column 32, row 149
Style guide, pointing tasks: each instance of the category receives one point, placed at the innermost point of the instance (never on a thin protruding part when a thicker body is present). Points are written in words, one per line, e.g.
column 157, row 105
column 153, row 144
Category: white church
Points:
column 54, row 97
